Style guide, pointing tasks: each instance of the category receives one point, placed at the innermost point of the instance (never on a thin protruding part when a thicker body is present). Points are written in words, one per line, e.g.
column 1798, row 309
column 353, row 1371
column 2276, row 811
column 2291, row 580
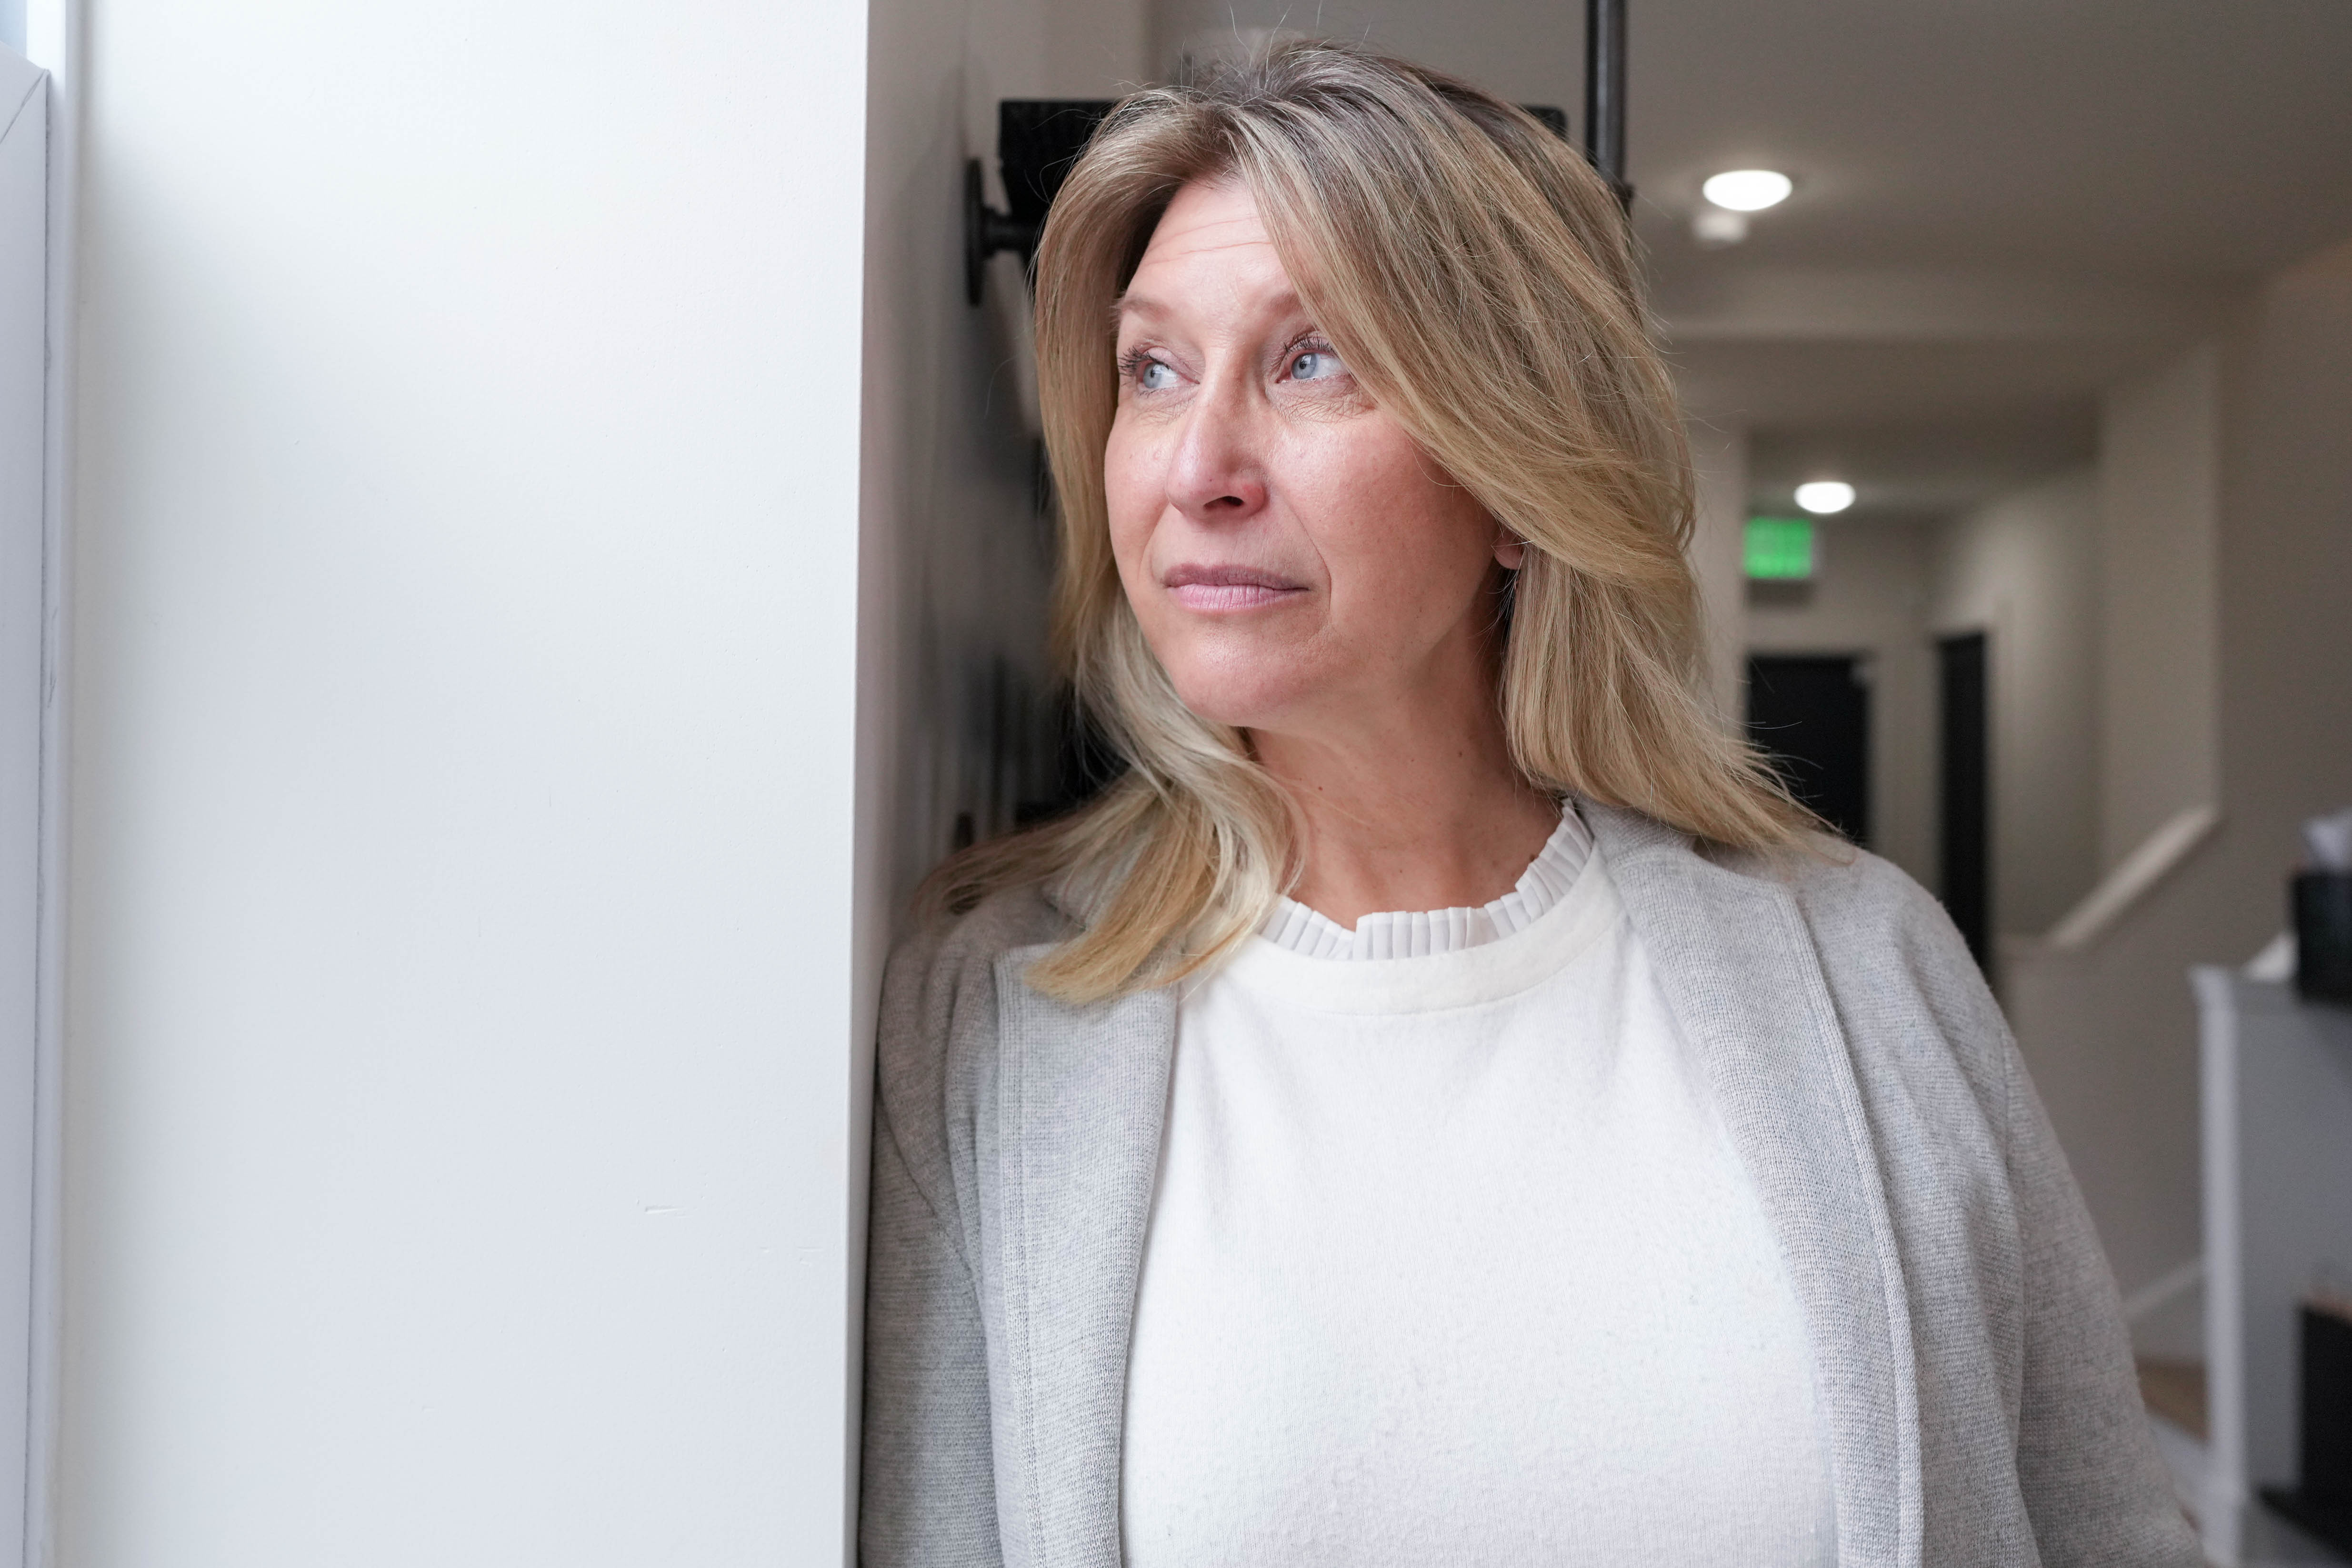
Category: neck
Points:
column 1411, row 810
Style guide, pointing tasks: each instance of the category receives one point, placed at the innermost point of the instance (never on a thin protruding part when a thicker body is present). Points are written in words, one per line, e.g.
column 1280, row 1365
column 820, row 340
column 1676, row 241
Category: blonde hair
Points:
column 1478, row 278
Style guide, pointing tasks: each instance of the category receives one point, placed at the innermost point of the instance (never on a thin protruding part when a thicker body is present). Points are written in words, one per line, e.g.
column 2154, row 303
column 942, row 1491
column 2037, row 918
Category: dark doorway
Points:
column 1965, row 798
column 1811, row 713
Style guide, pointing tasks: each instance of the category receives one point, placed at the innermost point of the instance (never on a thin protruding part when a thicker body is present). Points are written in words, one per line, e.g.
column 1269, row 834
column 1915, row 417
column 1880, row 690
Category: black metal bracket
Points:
column 986, row 232
column 1038, row 140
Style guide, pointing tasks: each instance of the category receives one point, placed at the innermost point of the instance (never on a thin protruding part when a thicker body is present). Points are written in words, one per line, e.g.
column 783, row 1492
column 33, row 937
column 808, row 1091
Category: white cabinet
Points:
column 2277, row 1113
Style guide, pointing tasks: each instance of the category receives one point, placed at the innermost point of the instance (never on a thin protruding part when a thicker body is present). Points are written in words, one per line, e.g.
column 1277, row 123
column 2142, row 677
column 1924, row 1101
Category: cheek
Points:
column 1132, row 496
column 1407, row 551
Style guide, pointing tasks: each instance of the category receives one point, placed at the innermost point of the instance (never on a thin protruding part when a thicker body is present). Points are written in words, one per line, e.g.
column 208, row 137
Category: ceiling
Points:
column 2001, row 207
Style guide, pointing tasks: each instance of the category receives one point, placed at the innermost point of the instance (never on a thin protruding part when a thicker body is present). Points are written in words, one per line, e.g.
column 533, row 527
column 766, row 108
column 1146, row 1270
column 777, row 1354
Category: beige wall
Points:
column 2286, row 565
column 2110, row 1038
column 2024, row 568
column 2111, row 1034
column 1095, row 49
column 954, row 557
column 1529, row 51
column 2159, row 499
column 1720, row 451
column 955, row 718
column 1871, row 598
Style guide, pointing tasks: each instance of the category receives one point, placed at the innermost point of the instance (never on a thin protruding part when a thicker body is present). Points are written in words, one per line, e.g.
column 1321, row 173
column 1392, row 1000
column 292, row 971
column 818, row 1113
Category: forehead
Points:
column 1211, row 236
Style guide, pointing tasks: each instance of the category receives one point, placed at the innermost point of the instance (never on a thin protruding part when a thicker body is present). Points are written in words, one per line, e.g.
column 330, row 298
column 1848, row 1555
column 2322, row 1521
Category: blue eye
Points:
column 1314, row 365
column 1155, row 376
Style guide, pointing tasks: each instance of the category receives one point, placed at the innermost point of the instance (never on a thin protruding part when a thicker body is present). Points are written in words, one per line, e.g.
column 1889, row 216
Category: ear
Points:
column 1510, row 551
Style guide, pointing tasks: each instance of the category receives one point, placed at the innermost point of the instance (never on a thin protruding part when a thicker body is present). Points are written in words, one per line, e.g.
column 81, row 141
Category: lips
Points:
column 1217, row 588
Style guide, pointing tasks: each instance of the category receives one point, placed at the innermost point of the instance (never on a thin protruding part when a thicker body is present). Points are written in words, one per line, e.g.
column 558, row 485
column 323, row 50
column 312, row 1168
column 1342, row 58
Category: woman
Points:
column 1441, row 1104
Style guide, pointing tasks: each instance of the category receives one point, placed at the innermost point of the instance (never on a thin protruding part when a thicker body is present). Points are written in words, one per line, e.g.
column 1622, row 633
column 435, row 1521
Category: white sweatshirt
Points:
column 1450, row 1263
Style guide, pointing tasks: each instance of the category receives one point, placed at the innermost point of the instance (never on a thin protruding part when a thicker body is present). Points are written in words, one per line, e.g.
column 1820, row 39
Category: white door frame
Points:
column 36, row 184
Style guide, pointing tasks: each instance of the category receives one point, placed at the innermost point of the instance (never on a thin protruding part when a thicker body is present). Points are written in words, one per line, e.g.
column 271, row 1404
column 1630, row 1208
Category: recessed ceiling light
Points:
column 1748, row 190
column 1825, row 495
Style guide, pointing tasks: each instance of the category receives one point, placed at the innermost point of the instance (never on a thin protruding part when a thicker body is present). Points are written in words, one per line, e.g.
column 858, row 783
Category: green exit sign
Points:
column 1780, row 549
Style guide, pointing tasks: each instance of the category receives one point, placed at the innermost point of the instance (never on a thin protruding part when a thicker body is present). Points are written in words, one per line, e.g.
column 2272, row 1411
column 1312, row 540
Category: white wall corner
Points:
column 34, row 226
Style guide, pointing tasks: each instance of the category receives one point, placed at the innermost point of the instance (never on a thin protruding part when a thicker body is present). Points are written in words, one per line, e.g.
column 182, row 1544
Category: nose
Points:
column 1217, row 472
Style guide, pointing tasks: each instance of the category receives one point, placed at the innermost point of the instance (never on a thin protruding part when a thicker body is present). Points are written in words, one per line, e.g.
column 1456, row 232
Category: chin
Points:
column 1242, row 699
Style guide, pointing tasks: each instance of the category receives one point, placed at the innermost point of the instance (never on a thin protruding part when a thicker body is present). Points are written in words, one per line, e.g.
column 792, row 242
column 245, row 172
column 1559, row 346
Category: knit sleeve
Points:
column 2094, row 1489
column 929, row 1495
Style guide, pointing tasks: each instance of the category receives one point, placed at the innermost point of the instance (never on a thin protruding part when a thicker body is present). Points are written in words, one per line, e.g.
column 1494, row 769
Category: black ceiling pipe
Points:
column 1604, row 94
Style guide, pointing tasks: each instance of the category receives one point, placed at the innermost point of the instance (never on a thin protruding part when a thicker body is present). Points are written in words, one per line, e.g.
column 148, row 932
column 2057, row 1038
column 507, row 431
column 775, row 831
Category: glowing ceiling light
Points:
column 1748, row 190
column 1823, row 496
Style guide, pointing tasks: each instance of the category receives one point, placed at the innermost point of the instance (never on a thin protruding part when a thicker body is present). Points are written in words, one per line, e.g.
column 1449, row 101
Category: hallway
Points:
column 2078, row 352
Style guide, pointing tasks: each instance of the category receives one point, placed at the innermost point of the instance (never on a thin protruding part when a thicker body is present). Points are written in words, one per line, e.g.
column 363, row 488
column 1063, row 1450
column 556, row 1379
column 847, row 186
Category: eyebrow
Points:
column 1128, row 303
column 1124, row 303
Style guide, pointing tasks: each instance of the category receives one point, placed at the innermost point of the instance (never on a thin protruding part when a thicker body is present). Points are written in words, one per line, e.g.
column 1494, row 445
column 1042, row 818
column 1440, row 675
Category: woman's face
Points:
column 1298, row 563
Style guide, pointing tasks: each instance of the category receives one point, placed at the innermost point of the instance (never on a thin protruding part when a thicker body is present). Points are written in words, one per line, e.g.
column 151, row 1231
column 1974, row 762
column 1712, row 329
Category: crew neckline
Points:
column 1294, row 928
column 1477, row 975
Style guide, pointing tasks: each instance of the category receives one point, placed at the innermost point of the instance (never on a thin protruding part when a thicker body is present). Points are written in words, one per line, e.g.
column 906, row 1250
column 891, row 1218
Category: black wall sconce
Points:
column 1039, row 139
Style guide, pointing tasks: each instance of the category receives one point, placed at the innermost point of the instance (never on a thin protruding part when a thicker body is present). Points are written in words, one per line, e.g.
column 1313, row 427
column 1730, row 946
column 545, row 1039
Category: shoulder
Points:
column 1910, row 997
column 948, row 948
column 936, row 1035
column 1862, row 911
column 1906, row 992
column 1842, row 892
column 946, row 969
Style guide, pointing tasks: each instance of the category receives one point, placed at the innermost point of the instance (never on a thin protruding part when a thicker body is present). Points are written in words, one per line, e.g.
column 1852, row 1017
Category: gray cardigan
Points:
column 1973, row 1369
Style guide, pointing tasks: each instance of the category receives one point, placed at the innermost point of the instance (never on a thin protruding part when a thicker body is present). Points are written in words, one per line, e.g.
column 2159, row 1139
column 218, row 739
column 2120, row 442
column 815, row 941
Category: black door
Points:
column 1964, row 800
column 1811, row 713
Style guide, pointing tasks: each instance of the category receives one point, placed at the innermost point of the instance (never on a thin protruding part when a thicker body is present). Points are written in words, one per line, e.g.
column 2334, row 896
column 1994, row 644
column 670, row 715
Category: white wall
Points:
column 1870, row 597
column 461, row 1146
column 2160, row 497
column 2024, row 568
column 24, row 597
